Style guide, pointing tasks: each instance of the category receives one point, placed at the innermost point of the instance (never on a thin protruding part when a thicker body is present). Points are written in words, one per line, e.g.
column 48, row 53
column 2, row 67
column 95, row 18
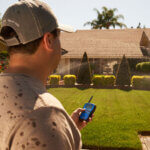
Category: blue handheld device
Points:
column 89, row 110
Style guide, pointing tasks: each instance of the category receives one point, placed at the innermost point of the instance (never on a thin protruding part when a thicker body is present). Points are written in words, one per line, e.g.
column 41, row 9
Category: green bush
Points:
column 141, row 82
column 54, row 79
column 103, row 80
column 123, row 77
column 133, row 62
column 98, row 80
column 109, row 80
column 138, row 67
column 115, row 68
column 143, row 67
column 84, row 73
column 69, row 80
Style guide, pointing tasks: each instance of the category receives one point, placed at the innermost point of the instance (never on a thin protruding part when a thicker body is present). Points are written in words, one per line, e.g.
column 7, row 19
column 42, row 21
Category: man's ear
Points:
column 47, row 41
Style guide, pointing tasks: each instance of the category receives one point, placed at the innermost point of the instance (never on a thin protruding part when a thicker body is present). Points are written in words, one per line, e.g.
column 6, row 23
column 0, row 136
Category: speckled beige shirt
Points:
column 33, row 119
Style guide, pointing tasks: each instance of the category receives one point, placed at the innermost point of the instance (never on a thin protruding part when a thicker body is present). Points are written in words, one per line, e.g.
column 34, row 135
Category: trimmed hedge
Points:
column 69, row 80
column 141, row 82
column 54, row 79
column 143, row 67
column 103, row 80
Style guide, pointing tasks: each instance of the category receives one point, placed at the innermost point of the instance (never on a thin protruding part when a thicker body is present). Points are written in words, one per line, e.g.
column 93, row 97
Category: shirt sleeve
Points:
column 46, row 129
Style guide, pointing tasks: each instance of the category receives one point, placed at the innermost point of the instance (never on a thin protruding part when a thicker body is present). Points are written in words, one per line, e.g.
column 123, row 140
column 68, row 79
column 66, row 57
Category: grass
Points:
column 119, row 116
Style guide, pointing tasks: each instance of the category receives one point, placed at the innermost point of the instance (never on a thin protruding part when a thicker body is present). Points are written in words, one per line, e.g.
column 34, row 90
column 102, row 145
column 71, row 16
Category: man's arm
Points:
column 46, row 129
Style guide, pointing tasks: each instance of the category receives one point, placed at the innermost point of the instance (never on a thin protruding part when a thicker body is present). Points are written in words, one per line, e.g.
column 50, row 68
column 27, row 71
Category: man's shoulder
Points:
column 47, row 99
column 20, row 84
column 16, row 88
column 23, row 81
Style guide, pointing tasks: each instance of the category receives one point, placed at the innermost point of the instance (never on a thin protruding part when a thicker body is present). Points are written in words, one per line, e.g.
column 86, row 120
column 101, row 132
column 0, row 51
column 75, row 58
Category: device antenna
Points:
column 90, row 99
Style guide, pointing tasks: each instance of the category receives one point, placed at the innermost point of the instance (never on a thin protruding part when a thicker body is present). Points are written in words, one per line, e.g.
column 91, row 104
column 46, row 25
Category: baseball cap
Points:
column 30, row 19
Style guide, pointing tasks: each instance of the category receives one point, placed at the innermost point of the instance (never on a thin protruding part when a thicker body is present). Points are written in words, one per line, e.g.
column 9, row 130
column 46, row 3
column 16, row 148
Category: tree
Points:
column 139, row 26
column 115, row 68
column 123, row 76
column 84, row 74
column 106, row 19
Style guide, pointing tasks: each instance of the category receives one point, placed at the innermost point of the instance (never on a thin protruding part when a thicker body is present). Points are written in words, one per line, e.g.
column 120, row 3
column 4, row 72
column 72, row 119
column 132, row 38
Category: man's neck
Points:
column 27, row 65
column 26, row 71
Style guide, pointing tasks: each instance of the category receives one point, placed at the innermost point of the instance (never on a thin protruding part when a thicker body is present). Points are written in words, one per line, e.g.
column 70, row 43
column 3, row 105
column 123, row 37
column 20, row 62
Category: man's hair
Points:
column 29, row 48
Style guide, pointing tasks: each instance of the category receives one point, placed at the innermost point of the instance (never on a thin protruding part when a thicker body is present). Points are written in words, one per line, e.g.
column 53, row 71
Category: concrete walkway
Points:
column 145, row 142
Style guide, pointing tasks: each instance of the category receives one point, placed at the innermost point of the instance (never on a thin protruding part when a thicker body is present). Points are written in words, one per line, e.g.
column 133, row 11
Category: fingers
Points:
column 79, row 110
column 83, row 124
column 90, row 119
column 75, row 115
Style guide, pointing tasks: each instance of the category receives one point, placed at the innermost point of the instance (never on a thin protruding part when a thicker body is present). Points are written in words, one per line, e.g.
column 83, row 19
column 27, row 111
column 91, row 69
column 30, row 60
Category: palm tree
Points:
column 106, row 19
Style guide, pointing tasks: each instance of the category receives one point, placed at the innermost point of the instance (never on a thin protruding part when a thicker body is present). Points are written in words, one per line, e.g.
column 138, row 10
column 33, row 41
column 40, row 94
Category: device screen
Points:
column 88, row 107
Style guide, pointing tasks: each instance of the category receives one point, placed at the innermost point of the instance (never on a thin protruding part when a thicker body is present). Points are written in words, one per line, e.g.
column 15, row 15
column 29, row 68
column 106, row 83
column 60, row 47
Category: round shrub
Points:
column 54, row 79
column 103, row 80
column 138, row 67
column 146, row 82
column 143, row 67
column 136, row 81
column 109, row 80
column 98, row 80
column 142, row 82
column 69, row 80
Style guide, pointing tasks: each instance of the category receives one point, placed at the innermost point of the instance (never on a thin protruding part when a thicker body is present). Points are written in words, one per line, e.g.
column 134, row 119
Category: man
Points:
column 31, row 118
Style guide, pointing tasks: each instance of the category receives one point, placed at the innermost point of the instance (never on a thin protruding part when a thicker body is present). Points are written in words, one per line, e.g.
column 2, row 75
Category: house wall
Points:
column 74, row 65
column 98, row 65
column 63, row 67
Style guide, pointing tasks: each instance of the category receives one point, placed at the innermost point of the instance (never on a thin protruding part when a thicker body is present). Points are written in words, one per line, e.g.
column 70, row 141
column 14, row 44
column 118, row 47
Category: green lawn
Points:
column 118, row 117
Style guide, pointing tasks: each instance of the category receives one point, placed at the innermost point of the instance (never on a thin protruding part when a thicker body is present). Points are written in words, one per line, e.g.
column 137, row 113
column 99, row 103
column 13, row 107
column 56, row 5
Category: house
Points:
column 104, row 48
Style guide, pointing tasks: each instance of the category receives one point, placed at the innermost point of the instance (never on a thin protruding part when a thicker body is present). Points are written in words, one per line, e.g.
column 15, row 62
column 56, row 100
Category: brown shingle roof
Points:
column 103, row 43
column 147, row 31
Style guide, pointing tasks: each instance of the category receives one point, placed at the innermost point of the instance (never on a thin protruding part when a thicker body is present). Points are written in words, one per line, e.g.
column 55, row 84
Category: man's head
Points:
column 29, row 26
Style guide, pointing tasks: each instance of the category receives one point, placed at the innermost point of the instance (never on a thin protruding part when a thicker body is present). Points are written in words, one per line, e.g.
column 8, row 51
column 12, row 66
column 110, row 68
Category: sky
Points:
column 76, row 12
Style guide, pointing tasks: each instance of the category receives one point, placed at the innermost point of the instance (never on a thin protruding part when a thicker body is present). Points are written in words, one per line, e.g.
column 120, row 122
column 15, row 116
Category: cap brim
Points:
column 66, row 28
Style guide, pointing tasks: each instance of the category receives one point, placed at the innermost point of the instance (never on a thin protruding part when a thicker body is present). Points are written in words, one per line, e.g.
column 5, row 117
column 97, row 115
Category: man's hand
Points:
column 75, row 116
